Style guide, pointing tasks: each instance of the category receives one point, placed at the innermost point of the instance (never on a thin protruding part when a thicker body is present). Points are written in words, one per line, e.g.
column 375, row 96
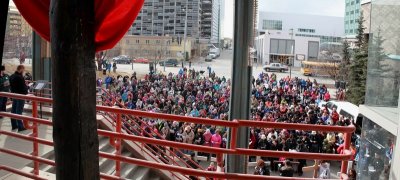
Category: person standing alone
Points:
column 18, row 86
column 4, row 87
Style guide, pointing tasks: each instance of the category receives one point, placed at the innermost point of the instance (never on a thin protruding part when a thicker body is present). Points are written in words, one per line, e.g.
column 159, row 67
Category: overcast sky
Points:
column 318, row 7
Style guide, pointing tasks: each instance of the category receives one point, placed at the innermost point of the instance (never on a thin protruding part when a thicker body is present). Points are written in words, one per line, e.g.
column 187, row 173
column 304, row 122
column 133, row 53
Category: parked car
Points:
column 169, row 62
column 212, row 54
column 209, row 58
column 123, row 59
column 141, row 60
column 276, row 67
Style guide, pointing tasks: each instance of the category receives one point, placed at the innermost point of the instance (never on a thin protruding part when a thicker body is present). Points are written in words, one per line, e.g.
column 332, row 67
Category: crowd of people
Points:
column 191, row 93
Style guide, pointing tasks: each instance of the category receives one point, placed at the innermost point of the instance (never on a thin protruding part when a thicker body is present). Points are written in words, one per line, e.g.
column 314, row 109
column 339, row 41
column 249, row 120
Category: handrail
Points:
column 219, row 151
column 134, row 121
column 145, row 145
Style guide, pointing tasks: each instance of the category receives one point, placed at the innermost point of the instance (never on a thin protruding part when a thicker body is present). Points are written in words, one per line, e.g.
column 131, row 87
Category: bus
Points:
column 316, row 68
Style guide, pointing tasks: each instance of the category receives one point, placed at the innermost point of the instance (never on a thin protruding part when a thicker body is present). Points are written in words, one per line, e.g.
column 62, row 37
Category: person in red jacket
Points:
column 334, row 116
column 327, row 96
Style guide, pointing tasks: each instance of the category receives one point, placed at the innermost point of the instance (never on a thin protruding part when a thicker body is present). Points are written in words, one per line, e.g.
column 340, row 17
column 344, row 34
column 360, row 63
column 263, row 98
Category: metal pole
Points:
column 3, row 25
column 241, row 81
column 185, row 32
column 292, row 58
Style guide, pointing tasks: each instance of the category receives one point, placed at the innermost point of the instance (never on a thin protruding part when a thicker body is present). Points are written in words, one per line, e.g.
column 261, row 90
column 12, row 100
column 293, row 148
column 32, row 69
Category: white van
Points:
column 346, row 109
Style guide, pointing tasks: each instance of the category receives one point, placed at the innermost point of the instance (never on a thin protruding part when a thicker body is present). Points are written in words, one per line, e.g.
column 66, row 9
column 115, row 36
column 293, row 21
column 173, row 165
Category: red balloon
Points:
column 113, row 18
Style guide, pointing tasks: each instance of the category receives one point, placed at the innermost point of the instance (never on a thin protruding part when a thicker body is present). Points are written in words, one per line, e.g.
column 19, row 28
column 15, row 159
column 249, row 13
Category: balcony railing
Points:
column 32, row 122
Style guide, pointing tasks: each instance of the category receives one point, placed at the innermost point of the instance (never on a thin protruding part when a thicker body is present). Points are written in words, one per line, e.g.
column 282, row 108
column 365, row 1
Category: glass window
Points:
column 375, row 151
column 313, row 49
column 274, row 46
column 272, row 25
column 281, row 46
column 289, row 46
column 383, row 77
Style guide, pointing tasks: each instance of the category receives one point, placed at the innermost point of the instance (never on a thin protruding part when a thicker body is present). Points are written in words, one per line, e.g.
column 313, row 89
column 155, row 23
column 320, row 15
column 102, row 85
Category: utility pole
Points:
column 76, row 145
column 241, row 81
column 3, row 26
column 292, row 58
column 185, row 32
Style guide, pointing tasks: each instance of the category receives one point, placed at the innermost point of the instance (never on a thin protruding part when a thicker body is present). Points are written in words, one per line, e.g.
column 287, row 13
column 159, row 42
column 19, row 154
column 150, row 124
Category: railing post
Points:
column 118, row 147
column 35, row 135
column 347, row 141
column 233, row 137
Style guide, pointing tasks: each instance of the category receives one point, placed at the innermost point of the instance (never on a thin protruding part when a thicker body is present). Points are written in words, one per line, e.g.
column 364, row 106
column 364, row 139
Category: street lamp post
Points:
column 292, row 58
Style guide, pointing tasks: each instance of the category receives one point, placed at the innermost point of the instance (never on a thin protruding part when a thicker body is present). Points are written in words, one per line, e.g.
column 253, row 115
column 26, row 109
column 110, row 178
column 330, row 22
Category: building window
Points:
column 313, row 49
column 306, row 30
column 147, row 41
column 137, row 41
column 281, row 46
column 158, row 41
column 352, row 2
column 357, row 1
column 352, row 12
column 272, row 25
column 351, row 21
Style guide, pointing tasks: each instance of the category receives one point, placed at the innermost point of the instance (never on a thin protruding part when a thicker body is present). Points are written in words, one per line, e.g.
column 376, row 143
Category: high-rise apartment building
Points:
column 168, row 17
column 353, row 11
column 159, row 18
column 352, row 14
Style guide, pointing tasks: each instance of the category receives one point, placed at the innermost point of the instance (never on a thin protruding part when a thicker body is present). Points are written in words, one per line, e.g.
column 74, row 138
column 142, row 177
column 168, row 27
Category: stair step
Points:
column 127, row 169
column 140, row 173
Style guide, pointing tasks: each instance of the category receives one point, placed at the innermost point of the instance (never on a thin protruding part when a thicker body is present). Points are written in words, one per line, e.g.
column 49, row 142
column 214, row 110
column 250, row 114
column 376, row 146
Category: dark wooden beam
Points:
column 3, row 25
column 74, row 108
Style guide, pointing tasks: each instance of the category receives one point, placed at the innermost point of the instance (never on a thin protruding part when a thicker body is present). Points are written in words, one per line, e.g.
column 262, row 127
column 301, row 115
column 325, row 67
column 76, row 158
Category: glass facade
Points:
column 323, row 39
column 375, row 152
column 384, row 54
column 352, row 14
column 281, row 46
column 272, row 25
column 377, row 144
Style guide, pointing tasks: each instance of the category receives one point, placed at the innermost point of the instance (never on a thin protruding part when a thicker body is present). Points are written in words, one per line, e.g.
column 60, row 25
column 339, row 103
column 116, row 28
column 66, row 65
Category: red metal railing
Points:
column 233, row 125
column 110, row 101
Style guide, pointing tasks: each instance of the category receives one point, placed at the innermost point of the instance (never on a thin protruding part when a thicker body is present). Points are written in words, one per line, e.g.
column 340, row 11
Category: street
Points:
column 222, row 66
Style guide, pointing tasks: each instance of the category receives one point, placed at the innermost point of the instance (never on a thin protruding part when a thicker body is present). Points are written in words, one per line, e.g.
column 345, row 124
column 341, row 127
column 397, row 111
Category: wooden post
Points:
column 3, row 25
column 74, row 98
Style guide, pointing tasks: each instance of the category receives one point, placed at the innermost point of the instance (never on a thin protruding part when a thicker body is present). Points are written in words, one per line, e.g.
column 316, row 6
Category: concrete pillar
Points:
column 241, row 80
column 41, row 64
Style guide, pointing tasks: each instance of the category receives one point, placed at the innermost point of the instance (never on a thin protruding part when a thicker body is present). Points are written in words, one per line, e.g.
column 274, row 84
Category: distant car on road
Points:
column 141, row 60
column 123, row 59
column 276, row 67
column 209, row 58
column 169, row 62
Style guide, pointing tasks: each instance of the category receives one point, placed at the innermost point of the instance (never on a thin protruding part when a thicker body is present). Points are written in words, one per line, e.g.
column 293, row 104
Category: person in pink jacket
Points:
column 216, row 139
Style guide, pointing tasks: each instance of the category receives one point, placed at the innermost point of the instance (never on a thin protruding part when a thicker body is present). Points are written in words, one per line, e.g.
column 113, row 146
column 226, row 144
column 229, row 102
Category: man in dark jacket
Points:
column 287, row 170
column 4, row 87
column 18, row 86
